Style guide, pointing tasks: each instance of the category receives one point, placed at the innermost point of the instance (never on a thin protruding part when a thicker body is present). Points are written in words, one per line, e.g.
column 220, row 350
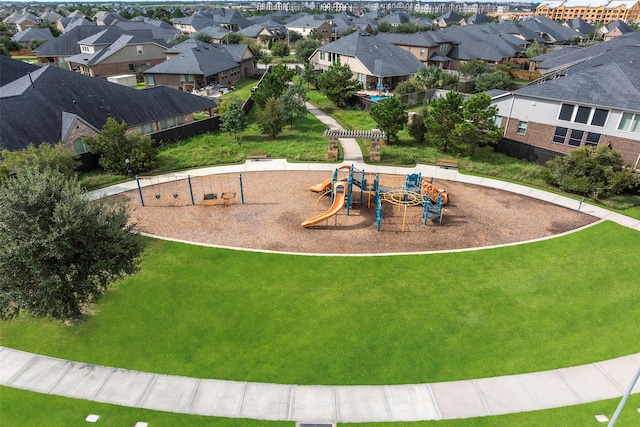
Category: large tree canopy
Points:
column 456, row 125
column 390, row 116
column 338, row 84
column 60, row 250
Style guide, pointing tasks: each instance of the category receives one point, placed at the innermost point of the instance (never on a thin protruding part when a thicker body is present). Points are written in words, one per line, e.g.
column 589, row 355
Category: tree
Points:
column 280, row 49
column 271, row 119
column 36, row 43
column 338, row 84
column 285, row 73
column 597, row 171
column 294, row 36
column 308, row 75
column 60, row 249
column 233, row 118
column 45, row 156
column 390, row 116
column 429, row 76
column 7, row 46
column 416, row 128
column 271, row 86
column 179, row 38
column 409, row 86
column 473, row 68
column 383, row 27
column 304, row 49
column 203, row 37
column 235, row 38
column 315, row 35
column 534, row 50
column 293, row 101
column 114, row 145
column 453, row 124
column 493, row 80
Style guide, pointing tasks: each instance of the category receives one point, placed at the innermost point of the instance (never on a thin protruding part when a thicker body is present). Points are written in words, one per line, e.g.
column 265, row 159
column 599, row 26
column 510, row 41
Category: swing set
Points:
column 173, row 190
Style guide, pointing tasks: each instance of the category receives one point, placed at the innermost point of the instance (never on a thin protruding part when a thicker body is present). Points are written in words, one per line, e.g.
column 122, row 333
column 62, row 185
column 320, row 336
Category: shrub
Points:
column 597, row 171
column 409, row 86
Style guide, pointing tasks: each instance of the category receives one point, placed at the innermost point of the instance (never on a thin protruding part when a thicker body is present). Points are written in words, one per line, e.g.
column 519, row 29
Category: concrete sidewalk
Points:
column 350, row 148
column 317, row 404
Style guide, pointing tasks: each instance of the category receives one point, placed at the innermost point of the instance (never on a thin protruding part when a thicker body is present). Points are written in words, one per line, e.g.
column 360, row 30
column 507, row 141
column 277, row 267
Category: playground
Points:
column 276, row 203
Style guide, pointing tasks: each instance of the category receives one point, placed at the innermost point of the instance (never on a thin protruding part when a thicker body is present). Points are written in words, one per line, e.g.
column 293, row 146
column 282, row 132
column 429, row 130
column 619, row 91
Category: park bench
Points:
column 448, row 163
column 256, row 155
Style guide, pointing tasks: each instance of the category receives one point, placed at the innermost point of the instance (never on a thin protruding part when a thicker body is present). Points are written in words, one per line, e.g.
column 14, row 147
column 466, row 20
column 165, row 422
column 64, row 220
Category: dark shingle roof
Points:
column 11, row 70
column 53, row 94
column 67, row 43
column 619, row 66
column 203, row 60
column 379, row 56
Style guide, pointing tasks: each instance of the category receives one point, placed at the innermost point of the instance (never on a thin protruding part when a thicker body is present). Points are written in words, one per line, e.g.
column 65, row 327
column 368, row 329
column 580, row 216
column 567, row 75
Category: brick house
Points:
column 372, row 60
column 559, row 115
column 128, row 54
column 64, row 106
column 194, row 65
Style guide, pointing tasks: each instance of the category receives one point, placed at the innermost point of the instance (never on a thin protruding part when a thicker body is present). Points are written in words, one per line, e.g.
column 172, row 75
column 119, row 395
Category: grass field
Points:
column 212, row 313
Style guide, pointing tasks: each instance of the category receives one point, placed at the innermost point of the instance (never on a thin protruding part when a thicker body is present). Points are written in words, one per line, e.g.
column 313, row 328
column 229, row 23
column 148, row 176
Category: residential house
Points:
column 449, row 18
column 63, row 106
column 49, row 16
column 11, row 69
column 397, row 18
column 559, row 115
column 322, row 24
column 25, row 37
column 27, row 21
column 266, row 32
column 551, row 31
column 67, row 23
column 128, row 54
column 103, row 18
column 614, row 29
column 373, row 60
column 57, row 50
column 430, row 47
column 193, row 65
column 477, row 19
column 216, row 32
column 192, row 24
column 580, row 26
column 232, row 20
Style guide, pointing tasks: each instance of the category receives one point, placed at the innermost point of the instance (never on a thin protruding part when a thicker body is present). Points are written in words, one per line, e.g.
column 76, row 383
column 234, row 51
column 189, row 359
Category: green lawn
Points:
column 213, row 313
column 17, row 409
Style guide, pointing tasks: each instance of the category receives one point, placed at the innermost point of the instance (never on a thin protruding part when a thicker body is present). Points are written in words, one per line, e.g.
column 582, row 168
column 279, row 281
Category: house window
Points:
column 422, row 51
column 582, row 116
column 150, row 81
column 497, row 120
column 139, row 129
column 592, row 138
column 148, row 128
column 630, row 122
column 444, row 47
column 131, row 67
column 163, row 124
column 575, row 139
column 361, row 78
column 79, row 146
column 322, row 57
column 599, row 117
column 172, row 122
column 560, row 135
column 522, row 128
column 192, row 80
column 566, row 112
column 139, row 50
column 180, row 120
column 183, row 79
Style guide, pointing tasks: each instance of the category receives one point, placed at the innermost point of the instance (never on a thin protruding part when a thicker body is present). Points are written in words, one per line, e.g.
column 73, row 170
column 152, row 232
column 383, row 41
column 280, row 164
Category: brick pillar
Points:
column 374, row 153
column 333, row 152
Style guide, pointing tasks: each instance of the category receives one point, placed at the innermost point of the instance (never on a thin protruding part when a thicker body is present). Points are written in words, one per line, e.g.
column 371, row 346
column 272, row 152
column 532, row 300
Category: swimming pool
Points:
column 377, row 98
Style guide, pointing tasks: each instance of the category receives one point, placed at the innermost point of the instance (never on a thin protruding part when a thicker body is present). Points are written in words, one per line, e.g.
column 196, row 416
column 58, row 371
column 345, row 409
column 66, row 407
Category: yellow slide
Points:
column 339, row 191
column 326, row 184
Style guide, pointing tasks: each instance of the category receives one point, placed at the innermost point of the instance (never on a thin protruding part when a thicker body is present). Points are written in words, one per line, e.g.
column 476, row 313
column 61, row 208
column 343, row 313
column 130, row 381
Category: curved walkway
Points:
column 321, row 403
column 317, row 404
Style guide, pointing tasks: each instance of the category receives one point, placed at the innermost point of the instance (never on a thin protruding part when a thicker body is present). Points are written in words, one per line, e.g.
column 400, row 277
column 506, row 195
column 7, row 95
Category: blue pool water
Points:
column 376, row 98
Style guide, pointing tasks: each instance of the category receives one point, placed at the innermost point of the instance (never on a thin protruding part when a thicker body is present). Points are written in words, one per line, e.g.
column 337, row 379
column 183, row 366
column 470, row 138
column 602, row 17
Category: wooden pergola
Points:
column 375, row 135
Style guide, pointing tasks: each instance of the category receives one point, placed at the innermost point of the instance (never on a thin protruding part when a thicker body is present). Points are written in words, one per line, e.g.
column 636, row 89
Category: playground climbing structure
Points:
column 404, row 192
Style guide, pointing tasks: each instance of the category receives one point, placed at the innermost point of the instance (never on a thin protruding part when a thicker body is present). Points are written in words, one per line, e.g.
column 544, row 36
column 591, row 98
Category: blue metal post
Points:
column 615, row 416
column 191, row 190
column 349, row 185
column 241, row 191
column 363, row 185
column 580, row 205
column 140, row 191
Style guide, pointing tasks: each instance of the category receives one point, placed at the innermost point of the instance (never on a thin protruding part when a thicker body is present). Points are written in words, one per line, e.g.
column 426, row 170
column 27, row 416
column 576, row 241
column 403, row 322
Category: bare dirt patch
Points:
column 276, row 203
